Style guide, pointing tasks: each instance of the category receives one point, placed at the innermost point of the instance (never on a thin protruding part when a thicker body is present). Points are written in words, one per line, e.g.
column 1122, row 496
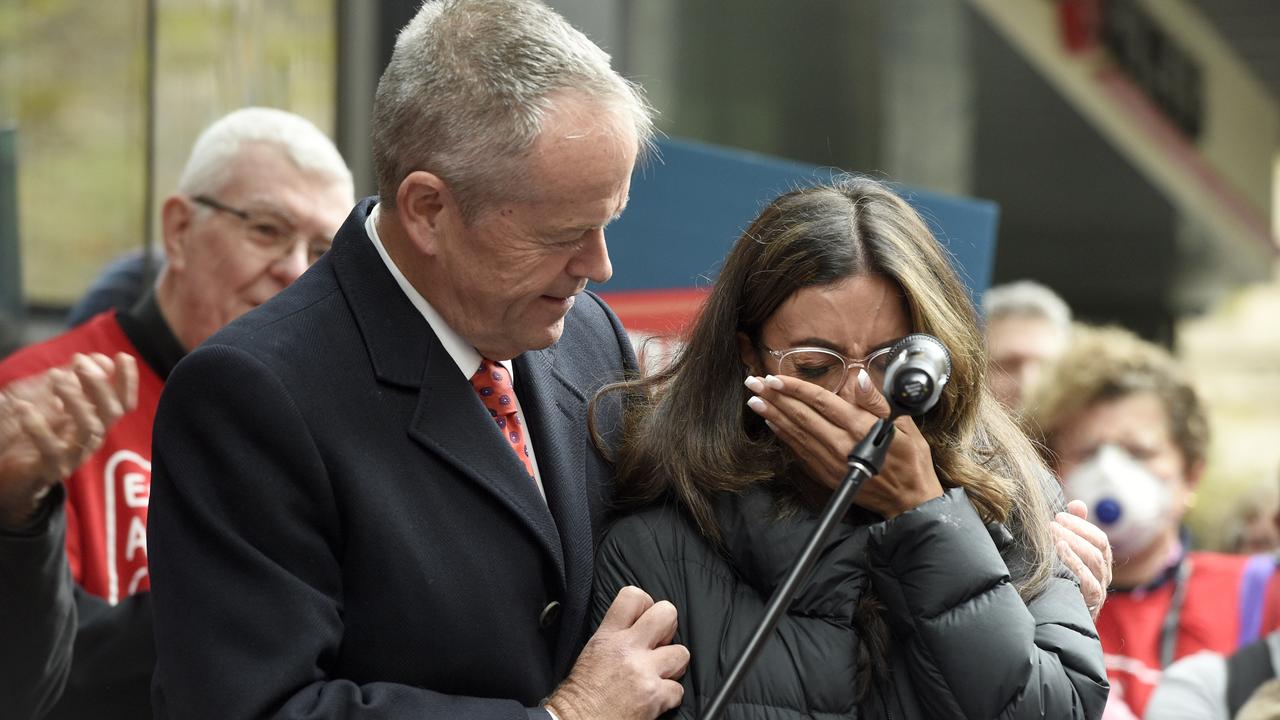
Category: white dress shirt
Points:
column 463, row 353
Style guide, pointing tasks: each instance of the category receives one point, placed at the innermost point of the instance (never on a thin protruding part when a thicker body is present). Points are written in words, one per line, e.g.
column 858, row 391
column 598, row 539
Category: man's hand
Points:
column 1084, row 548
column 52, row 422
column 628, row 670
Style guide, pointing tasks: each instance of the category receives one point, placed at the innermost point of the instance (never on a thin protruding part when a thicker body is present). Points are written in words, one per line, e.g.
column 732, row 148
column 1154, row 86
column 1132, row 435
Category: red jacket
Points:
column 107, row 495
column 1131, row 622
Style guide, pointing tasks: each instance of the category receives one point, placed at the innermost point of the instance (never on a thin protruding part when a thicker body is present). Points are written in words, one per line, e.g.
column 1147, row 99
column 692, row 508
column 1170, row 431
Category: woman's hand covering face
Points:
column 821, row 428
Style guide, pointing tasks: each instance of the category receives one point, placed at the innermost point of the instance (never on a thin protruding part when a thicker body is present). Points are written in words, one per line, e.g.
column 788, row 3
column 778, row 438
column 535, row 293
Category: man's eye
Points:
column 268, row 230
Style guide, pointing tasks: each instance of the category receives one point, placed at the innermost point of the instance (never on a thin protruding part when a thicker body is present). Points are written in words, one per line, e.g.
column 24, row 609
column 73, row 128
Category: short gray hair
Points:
column 208, row 169
column 468, row 87
column 1027, row 298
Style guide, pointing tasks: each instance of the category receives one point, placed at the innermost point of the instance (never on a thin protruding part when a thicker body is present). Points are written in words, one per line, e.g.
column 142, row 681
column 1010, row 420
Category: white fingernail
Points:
column 864, row 380
column 773, row 382
column 753, row 384
column 756, row 404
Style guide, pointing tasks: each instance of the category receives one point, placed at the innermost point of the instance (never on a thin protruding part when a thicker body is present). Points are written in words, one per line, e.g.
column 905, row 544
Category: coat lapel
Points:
column 449, row 419
column 452, row 421
column 556, row 414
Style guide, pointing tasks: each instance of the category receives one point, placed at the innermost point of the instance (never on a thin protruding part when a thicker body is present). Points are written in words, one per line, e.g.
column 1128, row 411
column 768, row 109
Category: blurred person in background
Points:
column 940, row 595
column 1253, row 525
column 1263, row 704
column 1212, row 686
column 259, row 200
column 1027, row 327
column 1127, row 434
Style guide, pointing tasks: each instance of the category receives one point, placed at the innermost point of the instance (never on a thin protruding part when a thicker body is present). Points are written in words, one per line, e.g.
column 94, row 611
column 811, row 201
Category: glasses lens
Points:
column 877, row 365
column 823, row 369
column 270, row 233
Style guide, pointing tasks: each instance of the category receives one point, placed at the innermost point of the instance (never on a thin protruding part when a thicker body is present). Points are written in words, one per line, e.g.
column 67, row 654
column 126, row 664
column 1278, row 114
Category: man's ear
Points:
column 748, row 353
column 176, row 217
column 426, row 209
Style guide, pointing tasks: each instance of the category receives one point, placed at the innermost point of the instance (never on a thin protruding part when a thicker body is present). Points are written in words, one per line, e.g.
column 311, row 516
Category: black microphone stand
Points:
column 865, row 461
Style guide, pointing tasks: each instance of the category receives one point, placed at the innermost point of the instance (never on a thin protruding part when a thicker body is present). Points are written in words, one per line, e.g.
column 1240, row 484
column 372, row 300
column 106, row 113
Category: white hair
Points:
column 468, row 87
column 208, row 169
column 1027, row 298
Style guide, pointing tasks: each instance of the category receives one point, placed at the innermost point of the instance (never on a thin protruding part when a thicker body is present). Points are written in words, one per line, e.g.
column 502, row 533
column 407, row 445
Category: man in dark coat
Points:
column 358, row 511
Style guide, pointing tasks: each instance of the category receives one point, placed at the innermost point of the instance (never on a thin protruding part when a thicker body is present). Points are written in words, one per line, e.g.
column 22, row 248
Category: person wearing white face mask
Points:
column 1129, row 502
column 1127, row 434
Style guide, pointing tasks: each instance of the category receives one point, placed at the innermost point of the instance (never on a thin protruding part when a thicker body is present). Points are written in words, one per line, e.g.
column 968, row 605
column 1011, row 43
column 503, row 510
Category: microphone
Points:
column 915, row 376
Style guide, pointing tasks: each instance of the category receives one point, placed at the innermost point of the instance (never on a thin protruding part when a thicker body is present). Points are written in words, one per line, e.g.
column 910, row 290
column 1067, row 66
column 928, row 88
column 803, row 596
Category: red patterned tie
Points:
column 493, row 382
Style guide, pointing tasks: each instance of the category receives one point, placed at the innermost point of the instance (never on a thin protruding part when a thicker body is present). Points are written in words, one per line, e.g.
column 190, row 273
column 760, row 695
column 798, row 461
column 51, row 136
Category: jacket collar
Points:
column 763, row 547
column 396, row 336
column 151, row 335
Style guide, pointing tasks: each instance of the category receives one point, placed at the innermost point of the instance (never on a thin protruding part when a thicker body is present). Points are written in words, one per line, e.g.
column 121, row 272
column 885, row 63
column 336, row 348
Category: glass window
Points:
column 74, row 86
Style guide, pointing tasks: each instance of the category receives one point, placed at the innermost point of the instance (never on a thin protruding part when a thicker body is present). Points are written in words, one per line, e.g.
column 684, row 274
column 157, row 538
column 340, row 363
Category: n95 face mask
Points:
column 1124, row 498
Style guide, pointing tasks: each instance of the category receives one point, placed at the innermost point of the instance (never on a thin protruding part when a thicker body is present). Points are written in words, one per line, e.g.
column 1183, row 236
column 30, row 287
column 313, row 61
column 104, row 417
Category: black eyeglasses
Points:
column 268, row 230
column 827, row 368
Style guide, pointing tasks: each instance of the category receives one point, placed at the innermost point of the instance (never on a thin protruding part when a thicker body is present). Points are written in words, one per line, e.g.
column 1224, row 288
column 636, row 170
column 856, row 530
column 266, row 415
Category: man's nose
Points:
column 291, row 265
column 592, row 260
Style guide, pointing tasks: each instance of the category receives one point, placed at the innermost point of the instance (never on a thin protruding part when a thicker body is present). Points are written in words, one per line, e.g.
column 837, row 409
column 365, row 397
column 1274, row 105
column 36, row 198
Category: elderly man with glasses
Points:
column 260, row 199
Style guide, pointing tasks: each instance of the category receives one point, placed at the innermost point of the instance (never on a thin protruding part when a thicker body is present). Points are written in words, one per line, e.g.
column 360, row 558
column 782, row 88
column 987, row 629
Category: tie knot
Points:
column 493, row 383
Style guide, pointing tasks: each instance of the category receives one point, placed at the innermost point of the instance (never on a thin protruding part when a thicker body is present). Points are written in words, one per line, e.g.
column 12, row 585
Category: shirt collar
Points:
column 151, row 335
column 463, row 353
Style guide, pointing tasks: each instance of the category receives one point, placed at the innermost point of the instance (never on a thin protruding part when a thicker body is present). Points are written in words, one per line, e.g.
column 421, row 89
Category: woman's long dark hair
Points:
column 686, row 431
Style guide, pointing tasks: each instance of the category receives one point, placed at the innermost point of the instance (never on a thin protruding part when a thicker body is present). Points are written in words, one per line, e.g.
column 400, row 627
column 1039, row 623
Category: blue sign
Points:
column 692, row 203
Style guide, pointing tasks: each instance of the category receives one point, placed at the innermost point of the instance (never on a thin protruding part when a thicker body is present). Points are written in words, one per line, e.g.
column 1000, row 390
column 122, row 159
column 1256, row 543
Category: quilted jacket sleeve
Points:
column 974, row 649
column 637, row 551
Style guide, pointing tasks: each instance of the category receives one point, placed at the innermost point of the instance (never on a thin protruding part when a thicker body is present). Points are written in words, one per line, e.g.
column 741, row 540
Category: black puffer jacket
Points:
column 964, row 644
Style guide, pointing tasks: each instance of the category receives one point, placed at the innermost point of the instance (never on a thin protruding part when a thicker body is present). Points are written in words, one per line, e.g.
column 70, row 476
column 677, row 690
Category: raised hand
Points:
column 1085, row 550
column 50, row 423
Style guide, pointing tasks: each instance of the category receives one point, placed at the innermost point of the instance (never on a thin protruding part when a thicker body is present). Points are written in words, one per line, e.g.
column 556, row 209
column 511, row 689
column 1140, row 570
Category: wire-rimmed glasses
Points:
column 269, row 230
column 827, row 368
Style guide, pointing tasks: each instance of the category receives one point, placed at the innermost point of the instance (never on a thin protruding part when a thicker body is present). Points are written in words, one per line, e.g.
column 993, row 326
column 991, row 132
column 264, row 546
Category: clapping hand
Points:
column 51, row 422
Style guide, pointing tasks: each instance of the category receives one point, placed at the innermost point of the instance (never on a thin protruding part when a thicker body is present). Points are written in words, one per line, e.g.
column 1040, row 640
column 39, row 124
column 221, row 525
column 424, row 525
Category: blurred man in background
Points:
column 1028, row 326
column 258, row 201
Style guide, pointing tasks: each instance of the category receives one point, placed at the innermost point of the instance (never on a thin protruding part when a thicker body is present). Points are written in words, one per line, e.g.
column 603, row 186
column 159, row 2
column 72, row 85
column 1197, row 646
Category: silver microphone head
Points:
column 914, row 379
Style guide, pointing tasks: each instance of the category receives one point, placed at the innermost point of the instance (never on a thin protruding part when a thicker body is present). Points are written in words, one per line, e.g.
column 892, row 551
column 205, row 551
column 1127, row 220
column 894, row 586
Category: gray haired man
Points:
column 1028, row 326
column 376, row 495
column 255, row 206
